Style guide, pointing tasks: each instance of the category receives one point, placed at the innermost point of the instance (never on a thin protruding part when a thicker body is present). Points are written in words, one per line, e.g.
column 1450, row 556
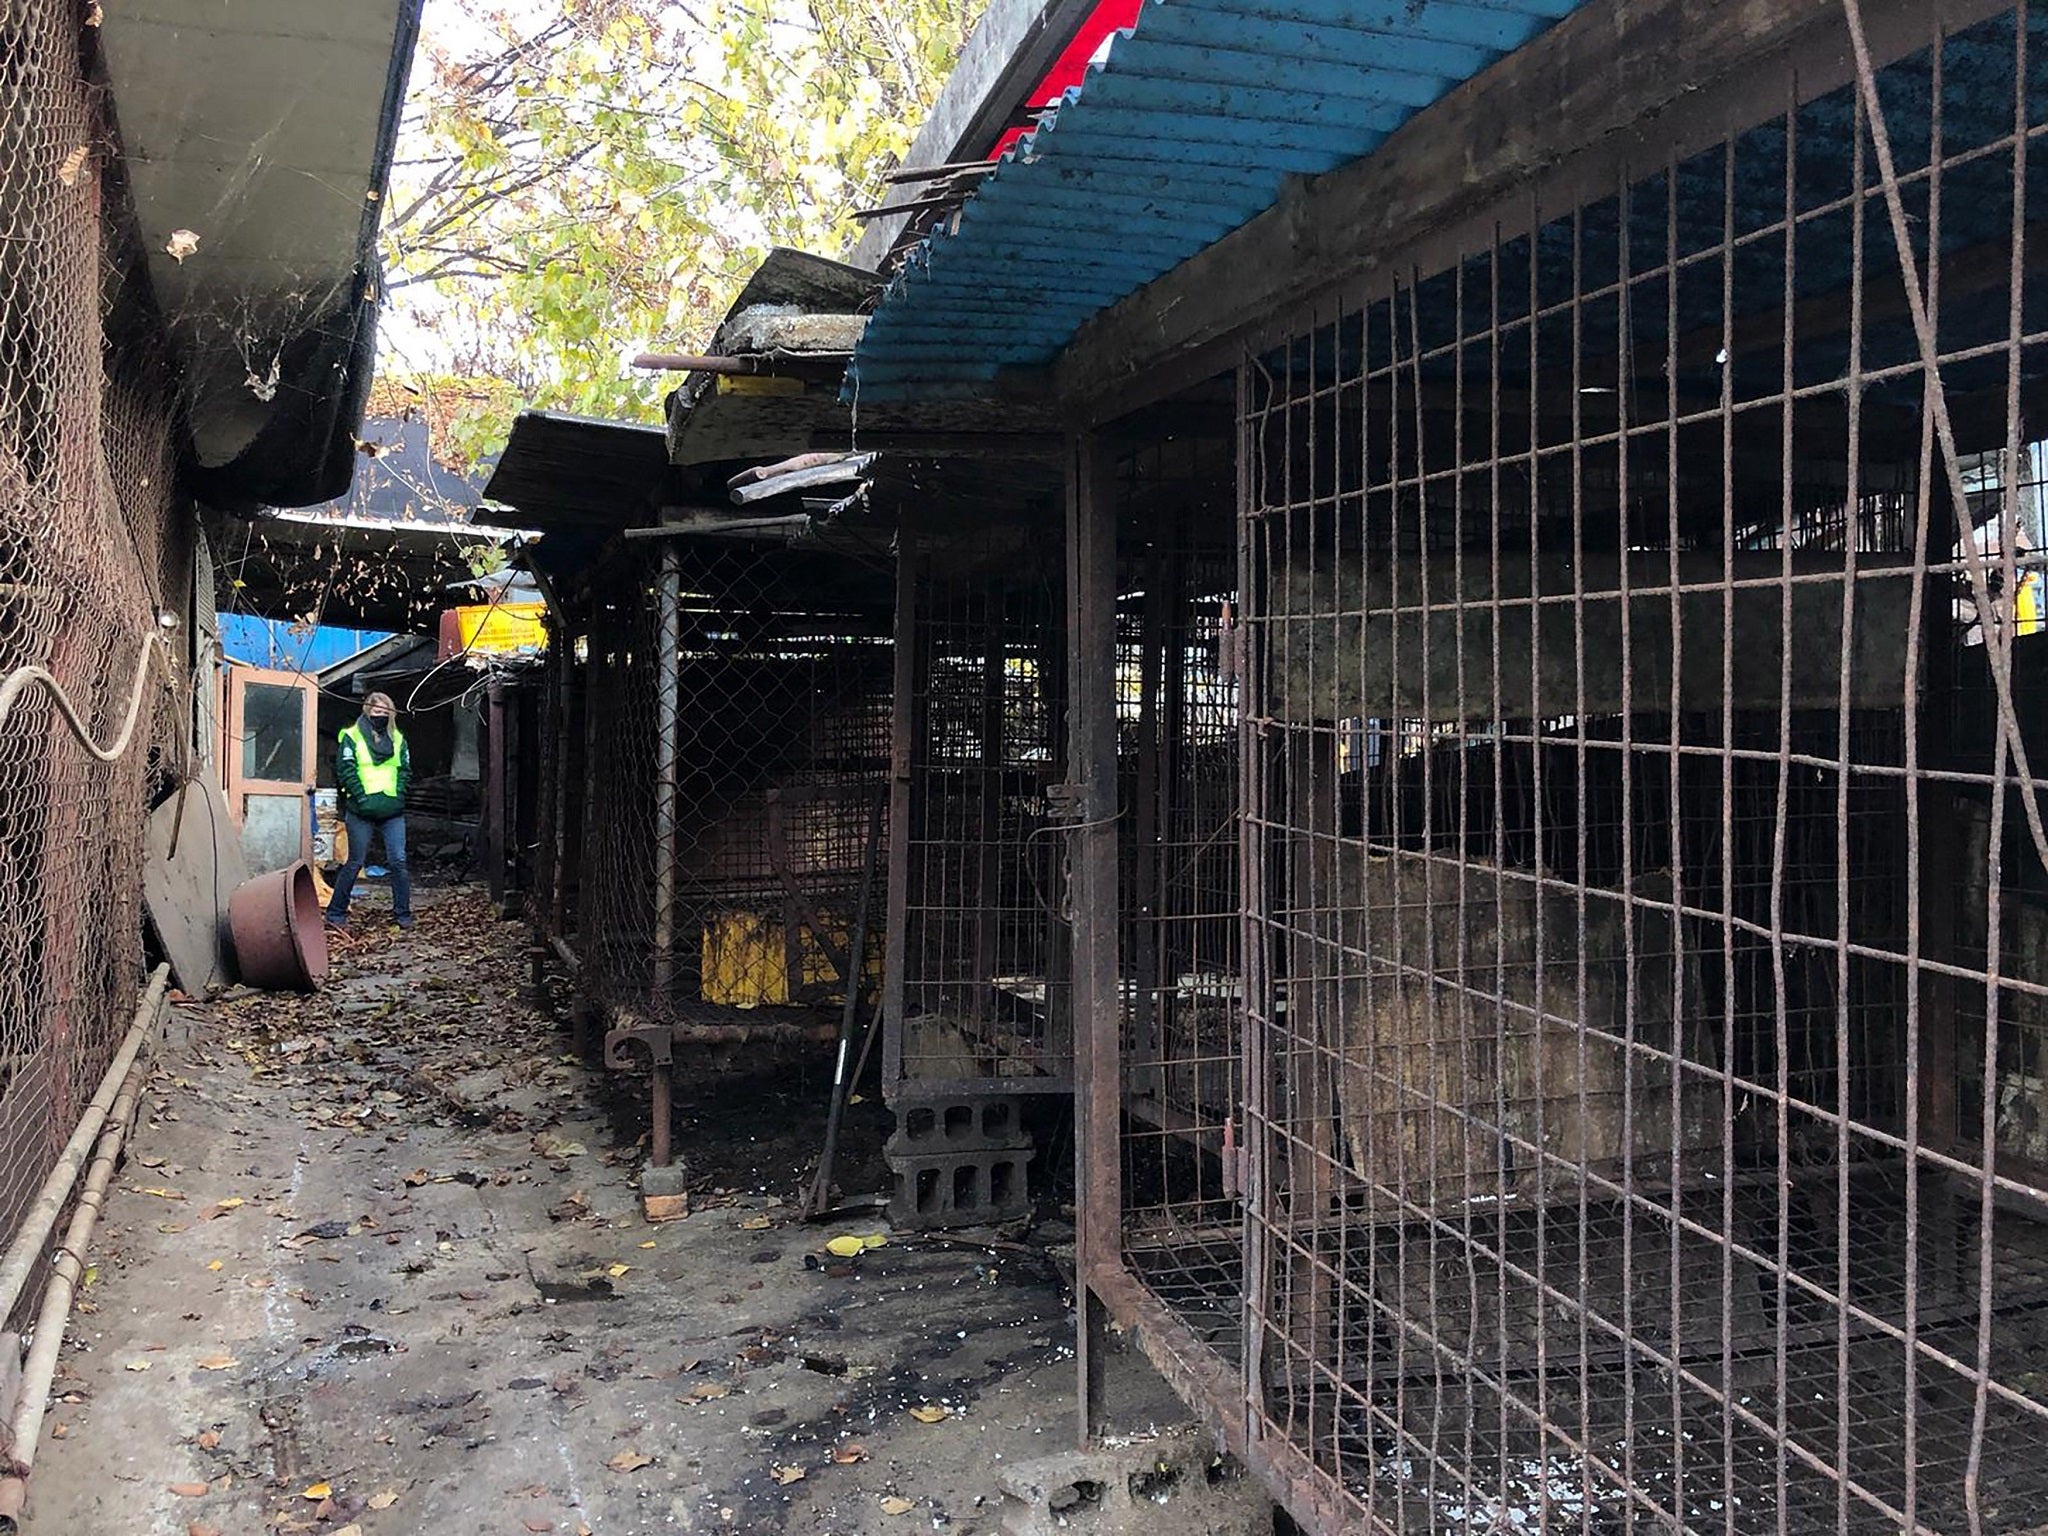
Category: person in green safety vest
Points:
column 373, row 769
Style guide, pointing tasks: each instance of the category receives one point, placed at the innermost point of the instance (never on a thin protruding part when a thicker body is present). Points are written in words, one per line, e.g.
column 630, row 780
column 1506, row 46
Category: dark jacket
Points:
column 349, row 777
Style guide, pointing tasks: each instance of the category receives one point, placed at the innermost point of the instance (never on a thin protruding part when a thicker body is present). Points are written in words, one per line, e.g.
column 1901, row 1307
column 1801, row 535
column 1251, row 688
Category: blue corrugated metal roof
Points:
column 1185, row 131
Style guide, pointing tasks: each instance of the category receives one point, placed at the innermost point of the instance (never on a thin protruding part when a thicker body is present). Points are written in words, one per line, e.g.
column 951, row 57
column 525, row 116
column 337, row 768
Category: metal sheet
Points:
column 1188, row 129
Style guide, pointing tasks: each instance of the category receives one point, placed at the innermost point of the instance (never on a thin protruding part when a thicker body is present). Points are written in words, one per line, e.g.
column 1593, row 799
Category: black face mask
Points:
column 379, row 734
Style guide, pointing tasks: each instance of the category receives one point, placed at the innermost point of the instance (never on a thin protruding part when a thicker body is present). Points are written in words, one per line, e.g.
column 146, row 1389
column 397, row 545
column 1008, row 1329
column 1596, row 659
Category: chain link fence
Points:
column 717, row 747
column 91, row 547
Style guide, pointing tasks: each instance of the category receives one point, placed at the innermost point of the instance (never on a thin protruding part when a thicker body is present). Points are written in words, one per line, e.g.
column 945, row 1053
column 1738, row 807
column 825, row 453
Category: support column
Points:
column 667, row 680
column 1093, row 894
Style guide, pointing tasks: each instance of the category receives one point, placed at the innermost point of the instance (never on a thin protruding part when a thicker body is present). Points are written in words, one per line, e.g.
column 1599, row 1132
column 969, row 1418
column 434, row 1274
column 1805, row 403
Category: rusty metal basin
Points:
column 279, row 931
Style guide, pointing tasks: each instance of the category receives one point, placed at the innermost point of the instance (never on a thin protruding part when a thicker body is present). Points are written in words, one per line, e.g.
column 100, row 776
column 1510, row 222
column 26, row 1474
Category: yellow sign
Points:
column 499, row 629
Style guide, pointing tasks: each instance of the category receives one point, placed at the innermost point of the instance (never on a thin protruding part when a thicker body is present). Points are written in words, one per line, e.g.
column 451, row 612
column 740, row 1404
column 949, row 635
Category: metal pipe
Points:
column 693, row 362
column 757, row 363
column 668, row 680
column 661, row 1111
column 26, row 1422
column 35, row 1229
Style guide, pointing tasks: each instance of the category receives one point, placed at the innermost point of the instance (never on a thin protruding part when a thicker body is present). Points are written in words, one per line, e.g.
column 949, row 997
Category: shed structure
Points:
column 1618, row 1101
column 714, row 743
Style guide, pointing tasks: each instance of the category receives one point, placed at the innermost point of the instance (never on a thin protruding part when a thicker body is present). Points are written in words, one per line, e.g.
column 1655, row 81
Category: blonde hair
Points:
column 372, row 700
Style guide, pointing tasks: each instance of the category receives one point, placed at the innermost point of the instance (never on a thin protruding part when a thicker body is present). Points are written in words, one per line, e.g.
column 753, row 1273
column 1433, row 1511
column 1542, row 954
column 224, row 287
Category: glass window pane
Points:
column 273, row 732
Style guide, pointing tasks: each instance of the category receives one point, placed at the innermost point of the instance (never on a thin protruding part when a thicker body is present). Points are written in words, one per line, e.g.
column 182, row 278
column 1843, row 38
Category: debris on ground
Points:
column 377, row 1265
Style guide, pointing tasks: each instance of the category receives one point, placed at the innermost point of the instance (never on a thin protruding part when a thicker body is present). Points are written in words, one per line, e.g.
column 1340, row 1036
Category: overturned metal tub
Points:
column 280, row 940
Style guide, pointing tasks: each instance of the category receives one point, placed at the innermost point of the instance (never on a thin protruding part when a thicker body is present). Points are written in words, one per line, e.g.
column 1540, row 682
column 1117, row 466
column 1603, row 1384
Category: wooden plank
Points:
column 1009, row 52
column 1620, row 84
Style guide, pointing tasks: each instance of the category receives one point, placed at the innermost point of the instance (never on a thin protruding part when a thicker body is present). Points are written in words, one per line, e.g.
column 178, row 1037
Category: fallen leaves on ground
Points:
column 385, row 1499
column 191, row 1490
column 219, row 1363
column 317, row 1491
column 201, row 1528
column 629, row 1461
column 207, row 1440
column 893, row 1505
column 930, row 1413
column 786, row 1475
column 849, row 1455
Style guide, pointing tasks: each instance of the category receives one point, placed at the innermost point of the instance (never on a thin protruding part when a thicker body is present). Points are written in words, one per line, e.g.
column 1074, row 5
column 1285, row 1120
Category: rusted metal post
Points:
column 496, row 811
column 667, row 673
column 565, row 738
column 660, row 1112
column 1093, row 897
column 902, row 736
column 989, row 817
column 667, row 681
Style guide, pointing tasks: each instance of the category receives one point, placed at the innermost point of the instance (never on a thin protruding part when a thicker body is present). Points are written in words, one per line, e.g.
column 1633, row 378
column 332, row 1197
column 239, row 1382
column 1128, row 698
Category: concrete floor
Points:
column 375, row 1265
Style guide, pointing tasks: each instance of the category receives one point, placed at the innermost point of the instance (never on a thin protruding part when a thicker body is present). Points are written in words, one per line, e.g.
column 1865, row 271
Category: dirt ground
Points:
column 375, row 1264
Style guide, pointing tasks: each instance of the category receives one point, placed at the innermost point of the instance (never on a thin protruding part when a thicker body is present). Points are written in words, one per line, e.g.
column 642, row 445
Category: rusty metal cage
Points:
column 730, row 734
column 977, row 994
column 1644, row 884
column 94, row 545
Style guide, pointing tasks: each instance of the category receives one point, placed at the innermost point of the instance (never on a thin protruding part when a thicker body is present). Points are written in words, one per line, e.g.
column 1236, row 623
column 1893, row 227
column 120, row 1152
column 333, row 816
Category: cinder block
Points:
column 960, row 1189
column 932, row 1126
column 664, row 1193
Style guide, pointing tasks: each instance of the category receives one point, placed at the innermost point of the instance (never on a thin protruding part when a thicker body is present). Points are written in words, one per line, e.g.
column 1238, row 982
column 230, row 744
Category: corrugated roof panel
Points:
column 1188, row 129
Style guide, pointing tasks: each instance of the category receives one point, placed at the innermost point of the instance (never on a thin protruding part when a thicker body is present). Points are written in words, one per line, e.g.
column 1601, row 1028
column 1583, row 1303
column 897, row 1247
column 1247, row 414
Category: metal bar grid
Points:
column 1642, row 865
column 1177, row 713
column 983, row 1001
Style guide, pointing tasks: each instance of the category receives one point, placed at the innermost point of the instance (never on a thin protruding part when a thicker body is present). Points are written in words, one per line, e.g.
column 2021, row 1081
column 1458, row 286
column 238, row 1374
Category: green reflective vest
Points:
column 377, row 778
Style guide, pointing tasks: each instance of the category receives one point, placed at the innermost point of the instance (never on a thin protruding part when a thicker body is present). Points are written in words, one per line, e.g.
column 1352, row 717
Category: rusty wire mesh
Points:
column 91, row 546
column 774, row 700
column 1645, row 888
column 1177, row 729
column 983, row 994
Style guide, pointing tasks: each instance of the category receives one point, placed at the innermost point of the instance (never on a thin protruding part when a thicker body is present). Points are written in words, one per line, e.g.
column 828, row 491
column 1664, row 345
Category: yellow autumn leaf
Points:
column 846, row 1247
column 618, row 1270
column 318, row 1491
column 214, row 1265
column 648, row 1244
column 895, row 1506
column 928, row 1413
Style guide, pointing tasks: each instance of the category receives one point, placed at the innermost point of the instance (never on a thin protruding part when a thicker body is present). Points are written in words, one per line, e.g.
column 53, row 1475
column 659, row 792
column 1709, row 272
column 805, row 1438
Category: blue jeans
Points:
column 359, row 830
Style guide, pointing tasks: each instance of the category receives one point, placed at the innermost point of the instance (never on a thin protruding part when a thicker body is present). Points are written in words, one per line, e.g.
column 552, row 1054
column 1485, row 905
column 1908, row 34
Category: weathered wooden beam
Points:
column 1616, row 89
